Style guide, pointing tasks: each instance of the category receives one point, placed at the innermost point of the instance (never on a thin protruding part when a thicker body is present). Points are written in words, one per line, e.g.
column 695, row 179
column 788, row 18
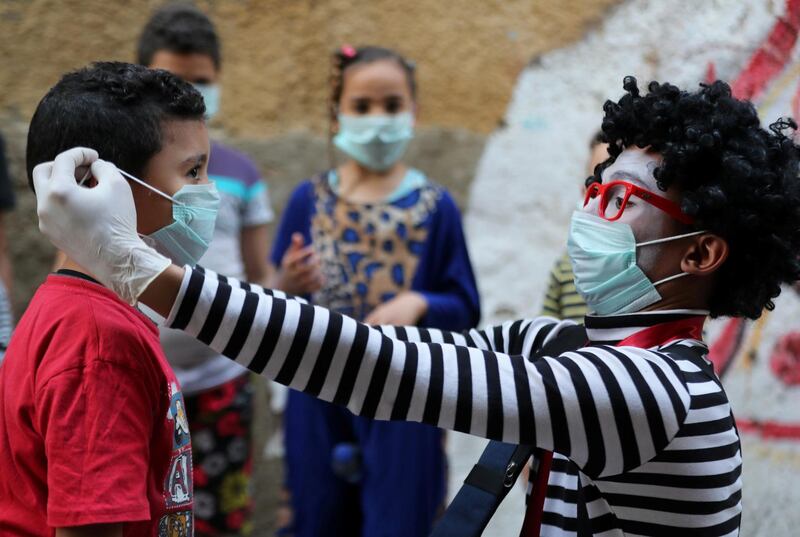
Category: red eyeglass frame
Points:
column 660, row 202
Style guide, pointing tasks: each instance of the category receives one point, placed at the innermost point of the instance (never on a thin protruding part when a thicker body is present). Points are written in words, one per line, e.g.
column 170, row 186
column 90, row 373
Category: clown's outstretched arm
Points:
column 557, row 403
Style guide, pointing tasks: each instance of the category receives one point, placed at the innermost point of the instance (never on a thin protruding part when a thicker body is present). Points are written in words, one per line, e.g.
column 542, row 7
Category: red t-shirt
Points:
column 92, row 422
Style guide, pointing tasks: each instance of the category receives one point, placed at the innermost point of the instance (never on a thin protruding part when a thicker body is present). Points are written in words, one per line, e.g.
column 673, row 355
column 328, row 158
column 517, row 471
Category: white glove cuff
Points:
column 142, row 266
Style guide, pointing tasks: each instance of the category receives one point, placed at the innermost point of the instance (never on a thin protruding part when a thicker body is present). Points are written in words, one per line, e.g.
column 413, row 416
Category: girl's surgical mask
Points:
column 377, row 142
column 194, row 211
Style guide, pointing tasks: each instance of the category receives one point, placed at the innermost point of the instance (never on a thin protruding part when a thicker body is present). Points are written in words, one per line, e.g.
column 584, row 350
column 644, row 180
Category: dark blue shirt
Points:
column 371, row 252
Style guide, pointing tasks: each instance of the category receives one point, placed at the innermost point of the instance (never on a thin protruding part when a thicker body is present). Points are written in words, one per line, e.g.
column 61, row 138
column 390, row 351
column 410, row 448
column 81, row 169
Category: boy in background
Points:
column 219, row 393
column 562, row 300
column 94, row 440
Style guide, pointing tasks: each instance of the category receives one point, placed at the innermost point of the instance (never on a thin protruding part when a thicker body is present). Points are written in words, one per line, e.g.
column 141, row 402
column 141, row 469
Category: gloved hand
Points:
column 95, row 226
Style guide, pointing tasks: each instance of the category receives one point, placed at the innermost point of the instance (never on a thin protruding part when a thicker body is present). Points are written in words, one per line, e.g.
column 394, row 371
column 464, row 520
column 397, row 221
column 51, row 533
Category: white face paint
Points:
column 635, row 165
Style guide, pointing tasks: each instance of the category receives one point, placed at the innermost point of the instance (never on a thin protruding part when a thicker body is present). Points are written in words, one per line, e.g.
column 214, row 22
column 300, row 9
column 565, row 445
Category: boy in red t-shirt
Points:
column 94, row 440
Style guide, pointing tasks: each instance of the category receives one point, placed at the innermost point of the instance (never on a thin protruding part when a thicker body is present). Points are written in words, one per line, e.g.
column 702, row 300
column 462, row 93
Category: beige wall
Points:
column 275, row 78
column 275, row 84
column 275, row 61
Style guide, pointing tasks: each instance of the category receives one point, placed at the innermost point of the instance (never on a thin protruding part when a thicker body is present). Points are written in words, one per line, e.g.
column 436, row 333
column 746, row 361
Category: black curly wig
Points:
column 115, row 108
column 737, row 180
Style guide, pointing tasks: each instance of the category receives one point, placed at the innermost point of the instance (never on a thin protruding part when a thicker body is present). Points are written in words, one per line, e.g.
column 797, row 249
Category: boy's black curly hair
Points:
column 737, row 180
column 116, row 108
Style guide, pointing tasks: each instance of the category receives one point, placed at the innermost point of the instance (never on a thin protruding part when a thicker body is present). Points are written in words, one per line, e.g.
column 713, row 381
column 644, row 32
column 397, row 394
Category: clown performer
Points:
column 695, row 214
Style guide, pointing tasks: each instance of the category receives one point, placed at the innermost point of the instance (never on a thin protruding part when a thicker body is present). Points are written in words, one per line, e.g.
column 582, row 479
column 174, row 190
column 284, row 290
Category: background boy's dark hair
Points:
column 348, row 56
column 114, row 108
column 179, row 28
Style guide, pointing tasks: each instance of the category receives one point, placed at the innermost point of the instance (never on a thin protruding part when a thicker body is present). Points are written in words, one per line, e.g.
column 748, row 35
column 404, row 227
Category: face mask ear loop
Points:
column 667, row 239
column 132, row 178
column 85, row 177
column 670, row 278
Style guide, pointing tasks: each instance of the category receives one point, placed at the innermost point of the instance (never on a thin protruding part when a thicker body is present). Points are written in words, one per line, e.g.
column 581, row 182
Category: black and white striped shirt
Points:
column 644, row 439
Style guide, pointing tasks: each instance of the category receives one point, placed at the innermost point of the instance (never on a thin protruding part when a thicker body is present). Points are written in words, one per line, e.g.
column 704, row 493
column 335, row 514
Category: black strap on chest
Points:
column 499, row 466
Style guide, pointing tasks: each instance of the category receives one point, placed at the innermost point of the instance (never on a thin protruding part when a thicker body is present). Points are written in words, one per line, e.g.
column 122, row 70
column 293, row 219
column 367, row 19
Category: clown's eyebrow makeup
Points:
column 620, row 175
column 635, row 166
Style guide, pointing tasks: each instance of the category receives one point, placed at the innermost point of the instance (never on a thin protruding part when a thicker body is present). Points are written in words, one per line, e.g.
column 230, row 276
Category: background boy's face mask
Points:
column 194, row 213
column 375, row 141
column 210, row 93
column 603, row 257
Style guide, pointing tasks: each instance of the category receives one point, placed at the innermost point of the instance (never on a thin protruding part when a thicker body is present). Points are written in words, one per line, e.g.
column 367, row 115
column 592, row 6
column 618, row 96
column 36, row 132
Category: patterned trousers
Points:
column 220, row 421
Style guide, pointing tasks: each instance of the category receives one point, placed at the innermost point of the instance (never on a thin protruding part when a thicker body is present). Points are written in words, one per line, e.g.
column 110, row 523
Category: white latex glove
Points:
column 95, row 226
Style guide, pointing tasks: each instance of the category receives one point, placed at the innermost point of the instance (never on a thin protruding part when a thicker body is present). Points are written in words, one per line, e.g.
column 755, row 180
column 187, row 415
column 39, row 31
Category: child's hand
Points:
column 300, row 272
column 406, row 309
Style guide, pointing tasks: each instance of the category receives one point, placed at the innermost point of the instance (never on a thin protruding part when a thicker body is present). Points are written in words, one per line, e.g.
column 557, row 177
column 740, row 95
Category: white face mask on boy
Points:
column 194, row 211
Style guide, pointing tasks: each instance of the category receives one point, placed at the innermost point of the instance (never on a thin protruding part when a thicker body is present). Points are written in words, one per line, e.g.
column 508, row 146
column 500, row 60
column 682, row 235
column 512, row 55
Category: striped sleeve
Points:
column 585, row 405
column 513, row 337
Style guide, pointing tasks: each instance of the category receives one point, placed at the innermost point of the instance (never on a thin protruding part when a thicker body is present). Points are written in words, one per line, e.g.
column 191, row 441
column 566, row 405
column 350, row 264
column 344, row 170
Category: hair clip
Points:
column 348, row 51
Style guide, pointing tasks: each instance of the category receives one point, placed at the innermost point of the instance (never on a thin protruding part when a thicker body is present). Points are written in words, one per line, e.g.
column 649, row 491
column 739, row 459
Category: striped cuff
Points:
column 178, row 305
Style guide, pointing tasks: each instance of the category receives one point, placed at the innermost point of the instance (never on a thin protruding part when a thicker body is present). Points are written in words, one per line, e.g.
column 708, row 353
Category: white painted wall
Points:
column 528, row 179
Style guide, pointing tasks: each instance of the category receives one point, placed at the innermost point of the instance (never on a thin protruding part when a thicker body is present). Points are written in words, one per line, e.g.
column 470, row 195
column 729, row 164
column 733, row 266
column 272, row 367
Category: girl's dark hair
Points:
column 347, row 56
column 737, row 180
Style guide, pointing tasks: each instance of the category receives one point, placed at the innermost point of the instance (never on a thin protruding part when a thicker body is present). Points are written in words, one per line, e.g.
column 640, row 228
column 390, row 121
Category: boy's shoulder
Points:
column 66, row 294
column 72, row 322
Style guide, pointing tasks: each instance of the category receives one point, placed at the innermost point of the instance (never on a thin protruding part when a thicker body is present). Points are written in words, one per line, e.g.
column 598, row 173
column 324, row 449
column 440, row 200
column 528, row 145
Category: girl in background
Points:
column 377, row 240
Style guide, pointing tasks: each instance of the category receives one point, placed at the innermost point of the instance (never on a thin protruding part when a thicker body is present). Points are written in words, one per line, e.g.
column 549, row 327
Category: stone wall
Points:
column 275, row 78
column 275, row 53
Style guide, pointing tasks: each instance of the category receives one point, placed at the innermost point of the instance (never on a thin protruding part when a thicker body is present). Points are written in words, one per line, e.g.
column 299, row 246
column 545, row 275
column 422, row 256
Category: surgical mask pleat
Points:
column 194, row 213
column 187, row 238
column 603, row 257
column 376, row 142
